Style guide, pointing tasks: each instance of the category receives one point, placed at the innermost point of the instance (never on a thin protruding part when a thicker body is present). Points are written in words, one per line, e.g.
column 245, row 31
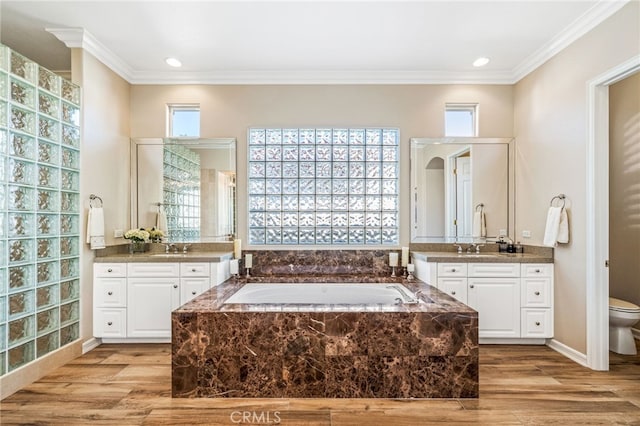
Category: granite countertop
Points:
column 212, row 300
column 486, row 257
column 161, row 257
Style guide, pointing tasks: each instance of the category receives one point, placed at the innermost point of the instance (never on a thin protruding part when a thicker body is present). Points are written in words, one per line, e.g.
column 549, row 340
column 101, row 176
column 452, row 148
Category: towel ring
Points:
column 94, row 197
column 560, row 197
column 480, row 206
column 159, row 207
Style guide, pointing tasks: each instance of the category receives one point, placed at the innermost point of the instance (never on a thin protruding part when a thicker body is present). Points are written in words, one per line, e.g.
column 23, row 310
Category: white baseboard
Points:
column 90, row 345
column 570, row 353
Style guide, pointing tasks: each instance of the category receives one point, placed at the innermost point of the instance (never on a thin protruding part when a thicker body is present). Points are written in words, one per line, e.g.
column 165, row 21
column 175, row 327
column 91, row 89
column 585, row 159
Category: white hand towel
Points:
column 552, row 227
column 563, row 227
column 479, row 225
column 95, row 228
column 161, row 221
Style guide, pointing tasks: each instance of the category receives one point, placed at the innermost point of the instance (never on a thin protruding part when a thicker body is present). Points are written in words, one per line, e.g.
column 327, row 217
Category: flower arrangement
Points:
column 155, row 234
column 137, row 235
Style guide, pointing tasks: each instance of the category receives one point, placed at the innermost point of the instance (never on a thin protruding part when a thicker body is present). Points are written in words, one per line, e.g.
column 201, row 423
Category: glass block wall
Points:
column 181, row 192
column 39, row 211
column 323, row 186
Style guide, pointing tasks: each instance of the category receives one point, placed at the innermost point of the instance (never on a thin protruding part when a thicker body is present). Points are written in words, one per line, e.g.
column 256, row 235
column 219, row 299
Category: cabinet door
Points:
column 110, row 293
column 455, row 287
column 497, row 301
column 537, row 323
column 149, row 305
column 192, row 287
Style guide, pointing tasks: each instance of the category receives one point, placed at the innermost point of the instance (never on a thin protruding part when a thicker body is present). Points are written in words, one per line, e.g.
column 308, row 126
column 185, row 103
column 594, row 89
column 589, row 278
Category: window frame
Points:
column 182, row 107
column 470, row 107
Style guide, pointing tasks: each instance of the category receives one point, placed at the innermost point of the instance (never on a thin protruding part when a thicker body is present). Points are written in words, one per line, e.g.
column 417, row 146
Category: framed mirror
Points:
column 191, row 181
column 462, row 189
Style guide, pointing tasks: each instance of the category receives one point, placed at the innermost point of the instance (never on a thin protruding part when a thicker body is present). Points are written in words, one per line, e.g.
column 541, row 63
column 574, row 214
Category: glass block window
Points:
column 181, row 192
column 323, row 186
column 39, row 212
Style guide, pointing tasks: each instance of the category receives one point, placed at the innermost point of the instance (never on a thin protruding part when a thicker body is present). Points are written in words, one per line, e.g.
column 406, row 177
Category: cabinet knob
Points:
column 537, row 271
column 537, row 323
column 110, row 293
column 109, row 323
column 471, row 286
column 194, row 292
column 537, row 293
column 109, row 270
column 175, row 286
column 193, row 269
column 453, row 269
column 453, row 292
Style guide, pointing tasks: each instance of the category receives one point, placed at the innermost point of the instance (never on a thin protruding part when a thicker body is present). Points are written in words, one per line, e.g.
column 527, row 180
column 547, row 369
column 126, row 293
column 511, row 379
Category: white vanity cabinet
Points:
column 513, row 300
column 494, row 291
column 153, row 291
column 110, row 300
column 134, row 300
column 195, row 278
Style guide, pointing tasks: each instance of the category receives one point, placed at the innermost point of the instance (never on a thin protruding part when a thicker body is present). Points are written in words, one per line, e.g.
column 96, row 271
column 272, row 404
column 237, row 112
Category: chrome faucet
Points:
column 185, row 247
column 478, row 247
column 471, row 247
column 459, row 248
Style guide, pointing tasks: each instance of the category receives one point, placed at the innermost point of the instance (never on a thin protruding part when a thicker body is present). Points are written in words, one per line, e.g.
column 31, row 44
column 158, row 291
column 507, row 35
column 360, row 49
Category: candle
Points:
column 393, row 259
column 411, row 267
column 233, row 266
column 405, row 256
column 248, row 261
column 237, row 249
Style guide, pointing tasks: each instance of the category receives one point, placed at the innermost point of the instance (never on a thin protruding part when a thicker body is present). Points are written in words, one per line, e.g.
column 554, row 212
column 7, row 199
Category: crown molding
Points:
column 321, row 77
column 582, row 25
column 81, row 38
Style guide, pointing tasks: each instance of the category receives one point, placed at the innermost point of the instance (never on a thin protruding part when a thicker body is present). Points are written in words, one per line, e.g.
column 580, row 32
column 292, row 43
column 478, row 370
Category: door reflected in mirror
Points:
column 191, row 181
column 461, row 189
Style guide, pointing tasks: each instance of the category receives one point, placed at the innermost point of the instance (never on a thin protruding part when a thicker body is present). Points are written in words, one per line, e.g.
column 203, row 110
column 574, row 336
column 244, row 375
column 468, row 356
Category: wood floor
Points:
column 519, row 385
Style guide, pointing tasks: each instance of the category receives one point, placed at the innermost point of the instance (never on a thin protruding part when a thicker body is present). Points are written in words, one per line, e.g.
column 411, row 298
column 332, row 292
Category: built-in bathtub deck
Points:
column 426, row 350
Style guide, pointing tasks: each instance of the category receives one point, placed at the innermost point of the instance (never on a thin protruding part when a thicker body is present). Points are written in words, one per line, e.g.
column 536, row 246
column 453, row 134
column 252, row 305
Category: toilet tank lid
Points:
column 623, row 304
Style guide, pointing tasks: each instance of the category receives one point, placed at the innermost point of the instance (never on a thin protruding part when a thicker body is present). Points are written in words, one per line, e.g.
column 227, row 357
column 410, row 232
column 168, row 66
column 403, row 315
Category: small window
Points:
column 460, row 120
column 184, row 121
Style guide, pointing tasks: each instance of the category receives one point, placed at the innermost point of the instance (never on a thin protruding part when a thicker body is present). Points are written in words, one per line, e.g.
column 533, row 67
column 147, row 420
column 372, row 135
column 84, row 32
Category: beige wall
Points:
column 418, row 110
column 104, row 160
column 551, row 131
column 624, row 189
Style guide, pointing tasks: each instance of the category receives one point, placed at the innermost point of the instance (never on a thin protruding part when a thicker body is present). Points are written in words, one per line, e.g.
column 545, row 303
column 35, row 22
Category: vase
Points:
column 137, row 247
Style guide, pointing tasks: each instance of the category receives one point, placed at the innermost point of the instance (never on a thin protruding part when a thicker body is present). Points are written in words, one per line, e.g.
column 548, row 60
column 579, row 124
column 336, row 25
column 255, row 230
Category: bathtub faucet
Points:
column 406, row 299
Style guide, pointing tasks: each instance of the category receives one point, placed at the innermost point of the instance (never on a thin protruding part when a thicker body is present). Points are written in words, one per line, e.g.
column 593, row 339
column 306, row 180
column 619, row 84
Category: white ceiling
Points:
column 303, row 41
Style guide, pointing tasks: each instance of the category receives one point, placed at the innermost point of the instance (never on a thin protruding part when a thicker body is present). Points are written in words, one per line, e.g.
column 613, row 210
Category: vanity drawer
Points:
column 537, row 270
column 110, row 269
column 536, row 292
column 110, row 292
column 455, row 287
column 110, row 323
column 194, row 269
column 536, row 323
column 452, row 270
column 499, row 270
column 158, row 269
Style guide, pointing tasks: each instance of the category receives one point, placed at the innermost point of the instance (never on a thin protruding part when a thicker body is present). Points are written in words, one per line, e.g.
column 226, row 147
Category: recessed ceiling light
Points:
column 173, row 62
column 481, row 62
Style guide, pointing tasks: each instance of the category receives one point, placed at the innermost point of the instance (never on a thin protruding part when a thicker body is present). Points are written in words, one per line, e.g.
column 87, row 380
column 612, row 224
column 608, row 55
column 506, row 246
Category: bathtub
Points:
column 323, row 293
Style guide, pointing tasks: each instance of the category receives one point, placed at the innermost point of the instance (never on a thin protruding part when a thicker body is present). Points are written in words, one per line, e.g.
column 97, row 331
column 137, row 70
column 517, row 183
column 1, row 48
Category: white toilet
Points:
column 622, row 315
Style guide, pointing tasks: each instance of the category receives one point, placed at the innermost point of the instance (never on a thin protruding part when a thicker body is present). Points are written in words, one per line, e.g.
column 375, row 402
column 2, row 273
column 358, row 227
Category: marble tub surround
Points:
column 426, row 350
column 320, row 262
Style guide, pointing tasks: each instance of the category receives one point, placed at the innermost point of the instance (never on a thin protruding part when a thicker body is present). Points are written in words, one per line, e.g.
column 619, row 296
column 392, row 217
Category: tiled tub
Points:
column 301, row 350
